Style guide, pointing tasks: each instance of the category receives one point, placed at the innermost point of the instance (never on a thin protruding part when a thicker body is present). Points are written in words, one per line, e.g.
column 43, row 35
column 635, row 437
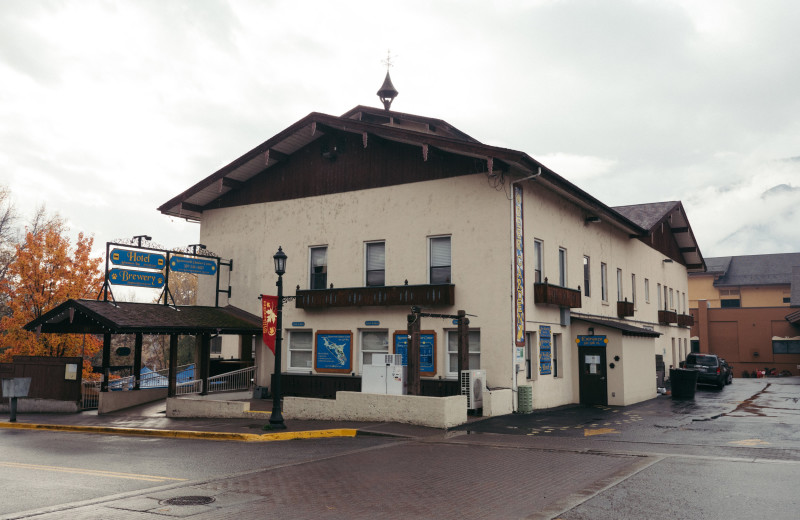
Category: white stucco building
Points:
column 379, row 210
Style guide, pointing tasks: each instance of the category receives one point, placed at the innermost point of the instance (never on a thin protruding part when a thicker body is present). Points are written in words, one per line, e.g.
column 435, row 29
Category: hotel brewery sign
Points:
column 142, row 260
column 154, row 263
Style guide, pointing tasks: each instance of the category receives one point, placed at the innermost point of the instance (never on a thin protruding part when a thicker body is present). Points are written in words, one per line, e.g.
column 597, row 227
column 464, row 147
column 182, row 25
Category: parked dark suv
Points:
column 710, row 369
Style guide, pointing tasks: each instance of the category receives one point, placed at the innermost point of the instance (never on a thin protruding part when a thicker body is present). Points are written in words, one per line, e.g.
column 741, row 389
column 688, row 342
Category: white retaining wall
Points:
column 435, row 412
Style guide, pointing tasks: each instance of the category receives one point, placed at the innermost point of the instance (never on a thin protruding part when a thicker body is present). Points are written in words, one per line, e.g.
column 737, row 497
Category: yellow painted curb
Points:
column 182, row 434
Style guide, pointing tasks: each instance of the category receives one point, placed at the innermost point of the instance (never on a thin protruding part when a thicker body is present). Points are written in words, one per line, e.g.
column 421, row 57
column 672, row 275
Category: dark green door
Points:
column 593, row 378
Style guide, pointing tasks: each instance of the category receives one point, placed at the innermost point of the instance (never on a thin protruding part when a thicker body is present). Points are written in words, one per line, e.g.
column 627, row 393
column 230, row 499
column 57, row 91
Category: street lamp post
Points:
column 276, row 417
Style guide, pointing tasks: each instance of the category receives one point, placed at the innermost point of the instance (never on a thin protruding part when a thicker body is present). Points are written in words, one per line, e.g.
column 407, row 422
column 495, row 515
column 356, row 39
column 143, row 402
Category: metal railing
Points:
column 90, row 395
column 90, row 390
column 189, row 387
column 232, row 381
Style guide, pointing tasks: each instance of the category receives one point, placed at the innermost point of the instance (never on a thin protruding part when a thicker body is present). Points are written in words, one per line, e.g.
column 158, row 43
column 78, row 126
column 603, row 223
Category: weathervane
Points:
column 388, row 60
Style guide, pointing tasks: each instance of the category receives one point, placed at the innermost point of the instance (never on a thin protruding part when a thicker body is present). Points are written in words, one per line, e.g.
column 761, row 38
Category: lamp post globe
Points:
column 280, row 262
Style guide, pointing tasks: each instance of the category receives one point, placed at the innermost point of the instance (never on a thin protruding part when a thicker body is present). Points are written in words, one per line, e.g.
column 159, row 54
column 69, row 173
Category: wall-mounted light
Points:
column 667, row 260
column 594, row 219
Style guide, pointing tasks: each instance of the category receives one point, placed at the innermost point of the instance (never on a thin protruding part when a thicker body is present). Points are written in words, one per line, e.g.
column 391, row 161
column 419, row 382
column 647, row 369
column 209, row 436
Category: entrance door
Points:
column 593, row 380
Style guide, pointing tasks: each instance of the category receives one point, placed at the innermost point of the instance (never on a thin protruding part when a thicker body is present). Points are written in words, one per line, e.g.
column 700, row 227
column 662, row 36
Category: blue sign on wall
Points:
column 187, row 264
column 427, row 351
column 545, row 354
column 127, row 258
column 592, row 341
column 136, row 278
column 372, row 323
column 334, row 351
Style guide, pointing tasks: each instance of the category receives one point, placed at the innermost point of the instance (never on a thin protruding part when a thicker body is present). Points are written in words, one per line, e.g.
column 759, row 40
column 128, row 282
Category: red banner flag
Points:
column 269, row 319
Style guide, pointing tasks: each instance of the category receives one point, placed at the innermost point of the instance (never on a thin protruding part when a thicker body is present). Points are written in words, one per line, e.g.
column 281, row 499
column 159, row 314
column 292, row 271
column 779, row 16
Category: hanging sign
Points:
column 128, row 258
column 519, row 271
column 136, row 278
column 186, row 264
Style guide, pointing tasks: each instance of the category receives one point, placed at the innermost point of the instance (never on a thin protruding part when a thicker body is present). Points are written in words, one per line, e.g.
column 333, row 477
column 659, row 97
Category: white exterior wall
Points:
column 479, row 220
column 472, row 213
column 560, row 224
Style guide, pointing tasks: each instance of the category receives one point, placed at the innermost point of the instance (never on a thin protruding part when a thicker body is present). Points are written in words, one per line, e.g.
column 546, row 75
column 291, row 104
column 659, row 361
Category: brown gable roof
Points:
column 665, row 219
column 423, row 133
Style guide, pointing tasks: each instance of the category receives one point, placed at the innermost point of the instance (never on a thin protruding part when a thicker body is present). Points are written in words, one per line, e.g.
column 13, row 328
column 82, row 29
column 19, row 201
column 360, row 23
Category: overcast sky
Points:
column 110, row 108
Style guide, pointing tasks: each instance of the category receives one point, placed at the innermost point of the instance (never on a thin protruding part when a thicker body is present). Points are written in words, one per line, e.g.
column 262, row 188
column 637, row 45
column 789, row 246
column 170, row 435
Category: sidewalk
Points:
column 151, row 420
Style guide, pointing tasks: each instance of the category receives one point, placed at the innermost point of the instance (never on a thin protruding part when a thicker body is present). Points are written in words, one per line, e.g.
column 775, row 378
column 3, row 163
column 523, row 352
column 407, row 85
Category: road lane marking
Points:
column 749, row 442
column 599, row 431
column 91, row 472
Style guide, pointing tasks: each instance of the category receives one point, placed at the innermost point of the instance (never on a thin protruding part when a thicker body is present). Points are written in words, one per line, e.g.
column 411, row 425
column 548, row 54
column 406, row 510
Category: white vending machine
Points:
column 386, row 375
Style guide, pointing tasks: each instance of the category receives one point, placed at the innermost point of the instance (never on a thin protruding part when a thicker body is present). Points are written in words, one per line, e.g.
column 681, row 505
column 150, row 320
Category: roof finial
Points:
column 387, row 92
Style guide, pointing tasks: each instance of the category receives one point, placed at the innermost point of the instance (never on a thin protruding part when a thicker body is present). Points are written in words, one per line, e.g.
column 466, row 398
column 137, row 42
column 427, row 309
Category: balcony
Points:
column 556, row 295
column 667, row 317
column 385, row 296
column 624, row 309
column 685, row 320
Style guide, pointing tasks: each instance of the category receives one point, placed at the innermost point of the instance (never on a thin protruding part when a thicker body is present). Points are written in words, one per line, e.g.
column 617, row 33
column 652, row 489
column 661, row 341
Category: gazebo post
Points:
column 205, row 361
column 173, row 368
column 137, row 360
column 106, row 361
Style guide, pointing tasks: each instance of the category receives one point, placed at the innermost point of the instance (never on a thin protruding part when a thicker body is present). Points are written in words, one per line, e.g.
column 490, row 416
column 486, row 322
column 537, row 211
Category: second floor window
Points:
column 538, row 246
column 376, row 264
column 586, row 277
column 619, row 285
column 440, row 260
column 603, row 282
column 319, row 268
column 562, row 267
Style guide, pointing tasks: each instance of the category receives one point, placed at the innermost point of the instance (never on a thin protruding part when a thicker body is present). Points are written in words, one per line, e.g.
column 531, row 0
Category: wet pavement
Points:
column 709, row 457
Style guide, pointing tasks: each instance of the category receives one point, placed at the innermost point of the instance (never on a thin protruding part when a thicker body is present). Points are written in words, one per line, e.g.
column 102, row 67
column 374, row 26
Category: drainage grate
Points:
column 187, row 501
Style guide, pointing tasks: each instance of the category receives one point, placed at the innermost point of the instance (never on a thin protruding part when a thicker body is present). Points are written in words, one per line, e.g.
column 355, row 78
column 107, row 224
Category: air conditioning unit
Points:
column 473, row 385
column 388, row 360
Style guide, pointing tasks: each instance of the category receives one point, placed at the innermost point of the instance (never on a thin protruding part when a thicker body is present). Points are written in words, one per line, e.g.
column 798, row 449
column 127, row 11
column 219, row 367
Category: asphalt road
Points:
column 40, row 469
column 730, row 453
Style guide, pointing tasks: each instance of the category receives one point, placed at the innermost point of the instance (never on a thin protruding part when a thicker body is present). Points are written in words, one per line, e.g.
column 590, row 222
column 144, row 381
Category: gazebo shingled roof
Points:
column 98, row 317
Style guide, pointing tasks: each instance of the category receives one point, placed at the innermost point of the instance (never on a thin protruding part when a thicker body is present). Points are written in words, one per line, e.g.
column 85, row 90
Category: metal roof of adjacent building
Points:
column 770, row 269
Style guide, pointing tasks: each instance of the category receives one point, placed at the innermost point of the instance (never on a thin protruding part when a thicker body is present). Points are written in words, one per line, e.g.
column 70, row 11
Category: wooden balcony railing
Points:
column 556, row 295
column 685, row 320
column 624, row 309
column 425, row 295
column 667, row 317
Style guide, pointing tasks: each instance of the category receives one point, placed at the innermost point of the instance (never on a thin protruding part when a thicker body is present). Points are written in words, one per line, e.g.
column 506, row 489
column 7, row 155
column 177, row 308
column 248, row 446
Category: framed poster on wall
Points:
column 427, row 350
column 333, row 351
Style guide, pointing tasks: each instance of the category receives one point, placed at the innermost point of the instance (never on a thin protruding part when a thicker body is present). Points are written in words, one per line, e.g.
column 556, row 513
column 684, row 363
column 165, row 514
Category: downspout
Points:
column 514, row 366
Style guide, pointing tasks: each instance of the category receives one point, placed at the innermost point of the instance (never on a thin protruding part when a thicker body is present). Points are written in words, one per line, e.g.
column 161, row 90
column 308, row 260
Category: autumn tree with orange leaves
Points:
column 45, row 272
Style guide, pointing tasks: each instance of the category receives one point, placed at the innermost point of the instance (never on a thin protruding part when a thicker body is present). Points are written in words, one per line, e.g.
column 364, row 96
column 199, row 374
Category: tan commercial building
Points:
column 747, row 310
column 379, row 211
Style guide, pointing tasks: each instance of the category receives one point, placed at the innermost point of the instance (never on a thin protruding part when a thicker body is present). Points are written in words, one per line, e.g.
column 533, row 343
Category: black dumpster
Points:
column 683, row 382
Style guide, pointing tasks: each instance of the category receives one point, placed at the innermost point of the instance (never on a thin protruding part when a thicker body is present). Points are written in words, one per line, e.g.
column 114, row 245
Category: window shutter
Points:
column 440, row 252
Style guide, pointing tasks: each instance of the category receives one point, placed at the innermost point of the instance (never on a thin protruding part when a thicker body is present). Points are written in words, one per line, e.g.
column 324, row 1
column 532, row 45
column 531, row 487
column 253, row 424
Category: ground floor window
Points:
column 555, row 354
column 373, row 342
column 452, row 351
column 786, row 346
column 301, row 350
column 216, row 345
column 531, row 368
